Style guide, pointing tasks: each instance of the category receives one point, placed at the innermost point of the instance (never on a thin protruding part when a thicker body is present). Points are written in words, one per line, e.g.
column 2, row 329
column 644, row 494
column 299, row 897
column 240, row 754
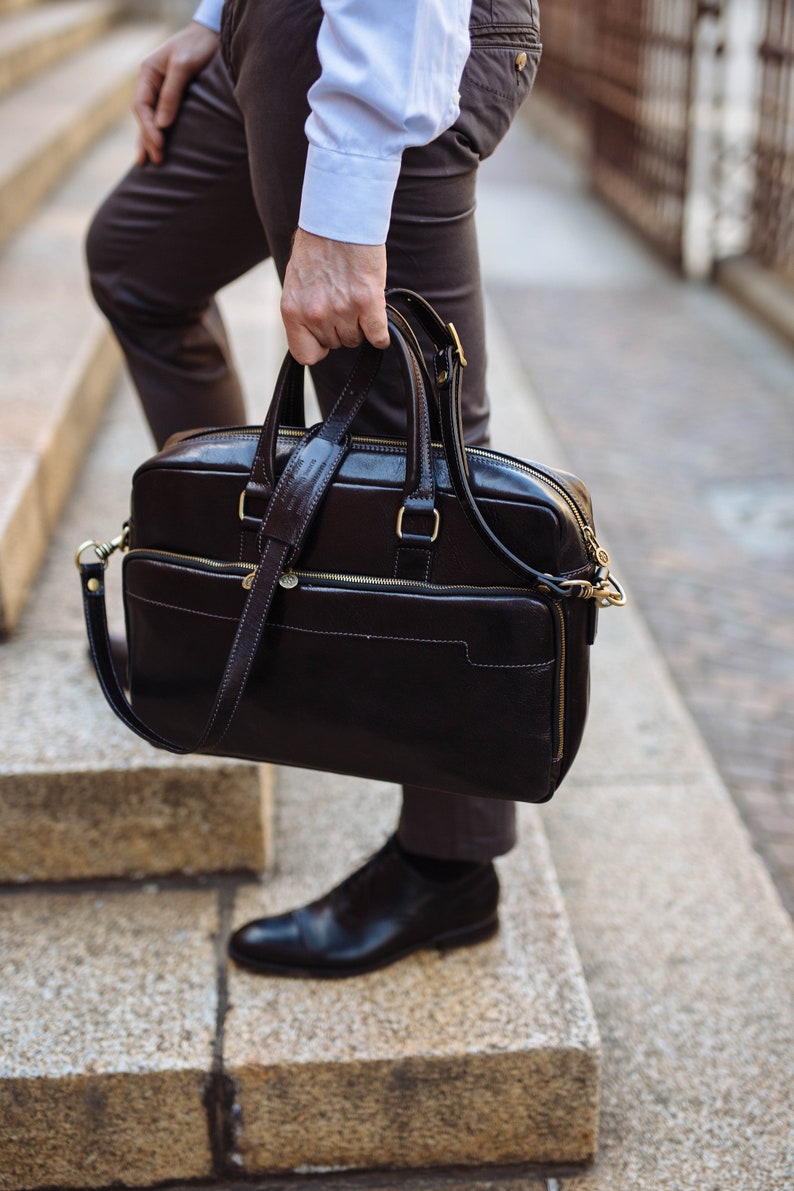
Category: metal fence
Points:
column 772, row 234
column 689, row 109
column 641, row 84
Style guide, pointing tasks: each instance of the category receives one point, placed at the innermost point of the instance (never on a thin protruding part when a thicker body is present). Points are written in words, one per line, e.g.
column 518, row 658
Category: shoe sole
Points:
column 465, row 936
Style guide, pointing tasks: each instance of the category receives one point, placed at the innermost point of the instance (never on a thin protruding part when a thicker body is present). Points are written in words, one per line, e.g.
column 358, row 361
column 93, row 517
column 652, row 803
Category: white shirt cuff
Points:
column 209, row 13
column 346, row 197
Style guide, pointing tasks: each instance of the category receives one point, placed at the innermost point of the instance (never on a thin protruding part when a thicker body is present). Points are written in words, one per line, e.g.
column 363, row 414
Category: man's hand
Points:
column 161, row 83
column 333, row 296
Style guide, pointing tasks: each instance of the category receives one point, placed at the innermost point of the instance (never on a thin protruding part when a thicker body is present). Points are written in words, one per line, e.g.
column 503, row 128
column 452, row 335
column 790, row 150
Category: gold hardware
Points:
column 288, row 580
column 93, row 585
column 606, row 590
column 561, row 687
column 241, row 505
column 80, row 549
column 458, row 344
column 103, row 550
column 595, row 549
column 521, row 61
column 248, row 581
column 436, row 523
column 443, row 376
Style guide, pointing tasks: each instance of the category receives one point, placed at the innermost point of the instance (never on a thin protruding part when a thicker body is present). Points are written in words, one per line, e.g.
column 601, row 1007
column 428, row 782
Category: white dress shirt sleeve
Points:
column 209, row 13
column 389, row 80
column 390, row 72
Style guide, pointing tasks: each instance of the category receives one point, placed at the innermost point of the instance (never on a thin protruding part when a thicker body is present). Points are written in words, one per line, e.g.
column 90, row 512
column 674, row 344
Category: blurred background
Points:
column 648, row 285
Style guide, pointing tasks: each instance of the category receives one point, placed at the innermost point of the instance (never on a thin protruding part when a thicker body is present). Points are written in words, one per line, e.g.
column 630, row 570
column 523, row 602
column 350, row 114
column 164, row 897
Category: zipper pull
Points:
column 287, row 579
column 596, row 551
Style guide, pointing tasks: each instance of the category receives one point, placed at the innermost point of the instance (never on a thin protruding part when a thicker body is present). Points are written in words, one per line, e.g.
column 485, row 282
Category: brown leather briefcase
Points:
column 408, row 610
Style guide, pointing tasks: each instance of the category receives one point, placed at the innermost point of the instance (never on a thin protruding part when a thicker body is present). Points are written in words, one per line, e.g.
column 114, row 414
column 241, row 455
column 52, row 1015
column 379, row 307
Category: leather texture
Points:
column 382, row 912
column 273, row 612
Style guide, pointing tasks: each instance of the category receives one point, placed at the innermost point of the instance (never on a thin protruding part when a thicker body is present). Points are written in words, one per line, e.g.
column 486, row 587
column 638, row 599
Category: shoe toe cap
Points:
column 267, row 941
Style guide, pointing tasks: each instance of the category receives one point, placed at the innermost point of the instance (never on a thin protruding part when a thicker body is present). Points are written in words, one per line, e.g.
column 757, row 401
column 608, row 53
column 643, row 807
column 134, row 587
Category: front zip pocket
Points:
column 452, row 687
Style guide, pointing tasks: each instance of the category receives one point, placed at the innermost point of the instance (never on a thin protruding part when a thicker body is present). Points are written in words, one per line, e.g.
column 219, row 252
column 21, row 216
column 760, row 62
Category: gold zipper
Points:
column 561, row 690
column 595, row 550
column 291, row 578
column 214, row 563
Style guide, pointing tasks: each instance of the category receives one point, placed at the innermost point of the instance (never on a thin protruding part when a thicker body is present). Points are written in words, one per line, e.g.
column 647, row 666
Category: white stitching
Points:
column 178, row 608
column 361, row 637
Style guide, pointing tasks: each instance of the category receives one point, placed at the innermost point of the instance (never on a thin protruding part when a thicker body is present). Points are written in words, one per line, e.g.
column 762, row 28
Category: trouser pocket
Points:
column 498, row 77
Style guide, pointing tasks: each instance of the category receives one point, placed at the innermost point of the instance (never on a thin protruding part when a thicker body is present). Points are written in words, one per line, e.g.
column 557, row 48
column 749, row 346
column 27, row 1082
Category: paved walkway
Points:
column 678, row 410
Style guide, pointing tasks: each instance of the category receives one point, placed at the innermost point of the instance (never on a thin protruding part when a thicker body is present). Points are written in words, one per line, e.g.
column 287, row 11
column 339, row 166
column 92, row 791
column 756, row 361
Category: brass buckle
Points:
column 103, row 550
column 458, row 344
column 436, row 523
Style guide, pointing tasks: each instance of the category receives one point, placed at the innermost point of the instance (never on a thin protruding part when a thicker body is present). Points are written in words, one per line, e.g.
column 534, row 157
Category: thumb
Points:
column 375, row 326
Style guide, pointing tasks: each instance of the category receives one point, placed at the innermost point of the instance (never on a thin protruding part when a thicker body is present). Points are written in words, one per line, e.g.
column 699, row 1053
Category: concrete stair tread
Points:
column 49, row 121
column 58, row 366
column 110, row 997
column 33, row 38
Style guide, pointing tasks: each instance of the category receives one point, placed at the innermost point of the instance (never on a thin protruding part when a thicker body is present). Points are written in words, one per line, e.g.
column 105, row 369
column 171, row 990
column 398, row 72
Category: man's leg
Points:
column 432, row 248
column 161, row 246
column 432, row 884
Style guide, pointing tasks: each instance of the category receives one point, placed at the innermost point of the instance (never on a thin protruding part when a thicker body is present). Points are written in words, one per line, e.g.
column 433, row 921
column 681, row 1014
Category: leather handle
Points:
column 293, row 406
column 450, row 363
column 288, row 395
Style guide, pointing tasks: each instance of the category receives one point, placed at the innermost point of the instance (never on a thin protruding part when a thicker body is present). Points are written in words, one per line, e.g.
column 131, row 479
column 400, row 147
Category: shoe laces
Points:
column 356, row 884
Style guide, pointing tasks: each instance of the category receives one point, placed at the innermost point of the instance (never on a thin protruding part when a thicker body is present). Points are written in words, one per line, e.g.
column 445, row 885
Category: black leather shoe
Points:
column 380, row 913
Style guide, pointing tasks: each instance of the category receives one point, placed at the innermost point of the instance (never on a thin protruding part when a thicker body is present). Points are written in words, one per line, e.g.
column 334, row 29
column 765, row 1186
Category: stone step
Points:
column 48, row 123
column 126, row 1050
column 33, row 39
column 80, row 796
column 59, row 365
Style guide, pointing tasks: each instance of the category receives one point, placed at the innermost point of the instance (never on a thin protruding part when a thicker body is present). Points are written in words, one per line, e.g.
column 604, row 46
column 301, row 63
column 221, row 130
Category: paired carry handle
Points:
column 287, row 403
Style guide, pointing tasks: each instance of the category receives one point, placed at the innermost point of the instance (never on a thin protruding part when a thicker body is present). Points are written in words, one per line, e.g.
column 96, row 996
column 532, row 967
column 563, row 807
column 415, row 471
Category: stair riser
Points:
column 480, row 1109
column 100, row 1131
column 31, row 517
column 26, row 61
column 134, row 823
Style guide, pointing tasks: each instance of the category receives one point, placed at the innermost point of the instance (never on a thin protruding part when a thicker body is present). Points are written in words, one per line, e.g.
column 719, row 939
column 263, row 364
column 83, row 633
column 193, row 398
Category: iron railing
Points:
column 689, row 111
column 772, row 234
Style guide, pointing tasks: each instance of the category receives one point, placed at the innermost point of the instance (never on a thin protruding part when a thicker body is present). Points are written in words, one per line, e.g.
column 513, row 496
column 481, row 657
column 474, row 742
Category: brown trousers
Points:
column 227, row 197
